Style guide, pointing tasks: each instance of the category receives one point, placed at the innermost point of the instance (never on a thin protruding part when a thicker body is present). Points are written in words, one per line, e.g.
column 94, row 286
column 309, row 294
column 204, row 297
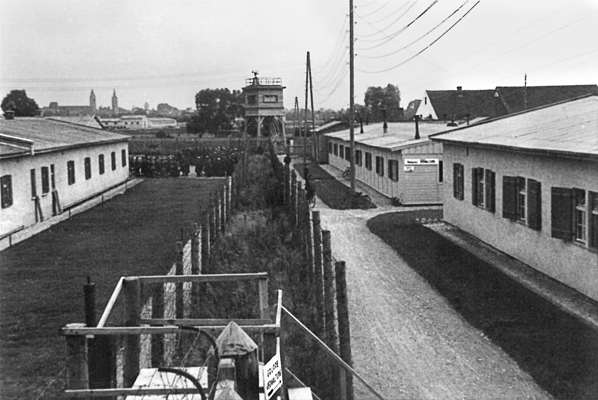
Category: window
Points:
column 348, row 154
column 251, row 99
column 393, row 170
column 593, row 219
column 521, row 196
column 123, row 157
column 101, row 164
column 380, row 165
column 358, row 158
column 70, row 172
column 33, row 183
column 440, row 172
column 514, row 198
column 113, row 160
column 458, row 180
column 270, row 98
column 341, row 151
column 87, row 164
column 6, row 191
column 45, row 180
column 490, row 194
column 477, row 187
column 52, row 177
column 579, row 216
column 329, row 148
column 368, row 160
column 336, row 149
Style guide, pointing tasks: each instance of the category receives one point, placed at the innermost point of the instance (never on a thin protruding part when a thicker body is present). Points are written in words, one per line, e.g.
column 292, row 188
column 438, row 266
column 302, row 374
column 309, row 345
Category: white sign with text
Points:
column 272, row 376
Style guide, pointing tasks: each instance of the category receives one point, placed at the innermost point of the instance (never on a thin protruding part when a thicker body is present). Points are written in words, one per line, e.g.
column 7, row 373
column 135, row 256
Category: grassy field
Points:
column 332, row 192
column 41, row 278
column 557, row 350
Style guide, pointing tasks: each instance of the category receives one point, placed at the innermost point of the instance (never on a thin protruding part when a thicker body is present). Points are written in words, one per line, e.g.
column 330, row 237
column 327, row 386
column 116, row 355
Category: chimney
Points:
column 459, row 88
column 467, row 118
column 9, row 114
column 384, row 127
column 416, row 117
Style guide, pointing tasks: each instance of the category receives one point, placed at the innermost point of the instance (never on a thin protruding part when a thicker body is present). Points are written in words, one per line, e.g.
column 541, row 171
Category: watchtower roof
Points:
column 262, row 81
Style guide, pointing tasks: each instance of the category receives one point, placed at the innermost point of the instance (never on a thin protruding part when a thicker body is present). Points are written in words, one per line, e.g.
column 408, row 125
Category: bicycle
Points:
column 347, row 172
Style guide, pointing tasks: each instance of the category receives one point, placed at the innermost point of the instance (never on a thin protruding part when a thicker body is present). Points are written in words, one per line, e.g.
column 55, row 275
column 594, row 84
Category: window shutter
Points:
column 509, row 197
column 490, row 188
column 534, row 204
column 561, row 203
column 474, row 186
column 594, row 230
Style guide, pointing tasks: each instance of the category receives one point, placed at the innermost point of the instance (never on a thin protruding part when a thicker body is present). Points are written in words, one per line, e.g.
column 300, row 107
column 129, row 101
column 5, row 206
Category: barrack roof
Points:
column 568, row 127
column 49, row 135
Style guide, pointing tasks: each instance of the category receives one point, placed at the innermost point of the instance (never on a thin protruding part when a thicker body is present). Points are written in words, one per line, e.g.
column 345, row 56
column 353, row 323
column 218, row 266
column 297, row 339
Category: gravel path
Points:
column 407, row 341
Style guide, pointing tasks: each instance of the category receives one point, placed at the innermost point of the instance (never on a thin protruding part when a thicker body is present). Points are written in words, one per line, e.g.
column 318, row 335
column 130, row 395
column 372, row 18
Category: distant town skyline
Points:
column 148, row 52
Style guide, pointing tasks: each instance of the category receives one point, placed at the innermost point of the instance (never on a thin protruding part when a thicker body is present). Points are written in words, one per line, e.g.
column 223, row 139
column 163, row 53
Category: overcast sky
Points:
column 165, row 51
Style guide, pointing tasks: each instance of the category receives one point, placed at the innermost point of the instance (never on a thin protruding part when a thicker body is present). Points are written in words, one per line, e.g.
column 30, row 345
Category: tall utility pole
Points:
column 314, row 138
column 351, row 94
column 305, row 115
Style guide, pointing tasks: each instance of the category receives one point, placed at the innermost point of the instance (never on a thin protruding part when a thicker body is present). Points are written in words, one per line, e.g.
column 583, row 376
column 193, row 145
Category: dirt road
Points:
column 407, row 340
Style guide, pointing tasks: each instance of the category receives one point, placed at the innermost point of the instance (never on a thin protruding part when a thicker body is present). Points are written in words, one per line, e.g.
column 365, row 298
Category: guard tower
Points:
column 264, row 108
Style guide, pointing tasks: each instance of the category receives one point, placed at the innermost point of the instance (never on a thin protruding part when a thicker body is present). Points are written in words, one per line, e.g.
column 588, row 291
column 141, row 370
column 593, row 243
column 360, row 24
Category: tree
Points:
column 379, row 100
column 217, row 109
column 22, row 105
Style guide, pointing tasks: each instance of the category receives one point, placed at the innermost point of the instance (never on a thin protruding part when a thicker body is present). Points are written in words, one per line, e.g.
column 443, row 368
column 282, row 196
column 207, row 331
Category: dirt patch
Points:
column 332, row 192
column 556, row 349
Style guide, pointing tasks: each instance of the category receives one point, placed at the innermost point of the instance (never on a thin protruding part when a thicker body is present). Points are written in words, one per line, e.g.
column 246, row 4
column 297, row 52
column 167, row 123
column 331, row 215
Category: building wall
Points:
column 569, row 262
column 22, row 211
column 420, row 186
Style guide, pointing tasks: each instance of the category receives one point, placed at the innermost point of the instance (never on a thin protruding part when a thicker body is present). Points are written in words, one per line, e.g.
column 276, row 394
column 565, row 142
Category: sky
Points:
column 166, row 51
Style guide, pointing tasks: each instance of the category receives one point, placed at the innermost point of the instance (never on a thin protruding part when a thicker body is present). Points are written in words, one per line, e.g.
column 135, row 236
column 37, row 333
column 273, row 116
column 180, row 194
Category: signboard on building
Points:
column 421, row 161
column 272, row 376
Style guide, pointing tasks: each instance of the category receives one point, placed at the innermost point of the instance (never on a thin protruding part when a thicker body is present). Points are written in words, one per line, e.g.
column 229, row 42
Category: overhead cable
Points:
column 425, row 48
column 419, row 37
column 397, row 33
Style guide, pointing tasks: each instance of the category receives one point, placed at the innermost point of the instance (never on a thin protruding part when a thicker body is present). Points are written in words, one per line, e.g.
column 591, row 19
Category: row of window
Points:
column 392, row 165
column 48, row 176
column 267, row 98
column 574, row 211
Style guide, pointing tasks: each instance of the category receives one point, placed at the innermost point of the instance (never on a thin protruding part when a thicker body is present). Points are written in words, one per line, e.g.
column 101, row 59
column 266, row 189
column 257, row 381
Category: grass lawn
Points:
column 556, row 349
column 331, row 191
column 41, row 279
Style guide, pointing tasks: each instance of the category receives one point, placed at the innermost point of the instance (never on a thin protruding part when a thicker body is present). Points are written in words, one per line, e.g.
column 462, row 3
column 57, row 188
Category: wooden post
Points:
column 330, row 332
column 344, row 332
column 179, row 303
column 132, row 307
column 229, row 191
column 264, row 309
column 158, row 312
column 212, row 220
column 222, row 197
column 293, row 202
column 195, row 250
column 77, row 376
column 318, row 275
column 205, row 242
column 89, row 295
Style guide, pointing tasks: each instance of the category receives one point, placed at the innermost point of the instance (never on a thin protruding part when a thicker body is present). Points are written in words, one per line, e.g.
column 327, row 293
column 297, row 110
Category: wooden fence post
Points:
column 179, row 302
column 293, row 202
column 205, row 242
column 212, row 221
column 132, row 309
column 264, row 308
column 195, row 250
column 318, row 276
column 158, row 312
column 229, row 191
column 222, row 197
column 77, row 376
column 344, row 332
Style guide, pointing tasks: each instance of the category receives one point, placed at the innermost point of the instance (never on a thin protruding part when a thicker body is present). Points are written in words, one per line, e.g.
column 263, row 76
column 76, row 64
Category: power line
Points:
column 378, row 9
column 425, row 48
column 397, row 33
column 419, row 37
column 332, row 71
column 329, row 81
column 340, row 38
column 372, row 24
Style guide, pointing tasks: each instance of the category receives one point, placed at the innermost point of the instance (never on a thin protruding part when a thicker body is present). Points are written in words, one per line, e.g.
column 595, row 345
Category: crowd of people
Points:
column 214, row 161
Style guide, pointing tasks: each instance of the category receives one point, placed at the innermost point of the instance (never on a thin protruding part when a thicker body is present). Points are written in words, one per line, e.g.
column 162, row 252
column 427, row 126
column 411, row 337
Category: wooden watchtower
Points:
column 264, row 107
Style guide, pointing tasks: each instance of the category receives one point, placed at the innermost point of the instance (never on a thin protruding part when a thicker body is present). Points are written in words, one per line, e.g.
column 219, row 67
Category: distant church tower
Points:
column 114, row 102
column 92, row 102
